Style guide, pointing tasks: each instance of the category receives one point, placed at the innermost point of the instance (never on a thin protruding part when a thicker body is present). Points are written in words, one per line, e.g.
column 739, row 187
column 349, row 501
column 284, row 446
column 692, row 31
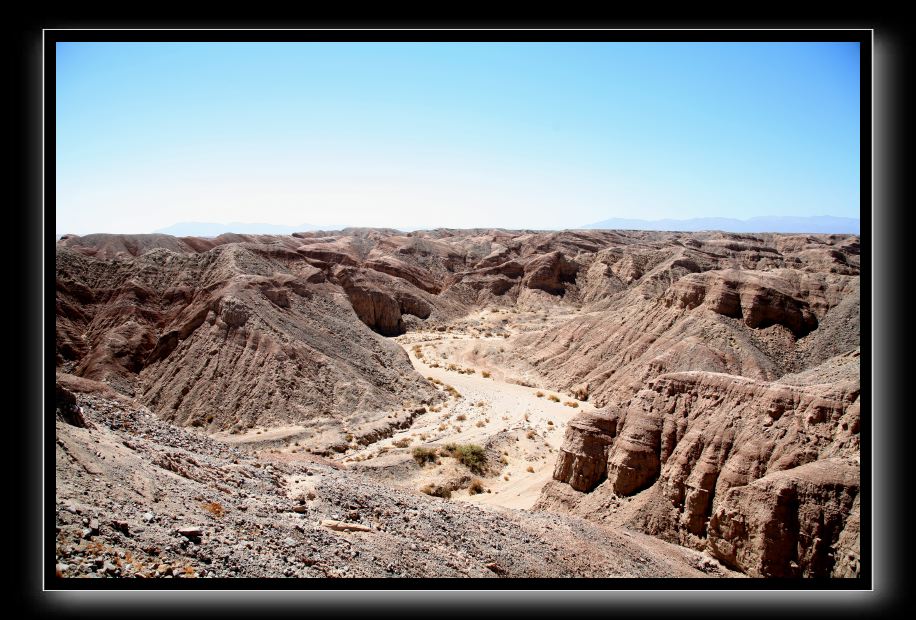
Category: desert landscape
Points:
column 369, row 402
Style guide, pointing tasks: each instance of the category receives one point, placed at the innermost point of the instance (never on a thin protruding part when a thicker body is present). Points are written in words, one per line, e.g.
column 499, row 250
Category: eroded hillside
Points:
column 700, row 388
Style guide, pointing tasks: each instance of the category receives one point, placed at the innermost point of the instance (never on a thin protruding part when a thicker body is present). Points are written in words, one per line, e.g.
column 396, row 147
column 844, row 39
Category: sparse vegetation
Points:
column 424, row 455
column 437, row 490
column 530, row 469
column 572, row 403
column 461, row 417
column 539, row 394
column 480, row 423
column 470, row 455
column 485, row 373
column 402, row 443
column 476, row 487
column 554, row 398
column 530, row 434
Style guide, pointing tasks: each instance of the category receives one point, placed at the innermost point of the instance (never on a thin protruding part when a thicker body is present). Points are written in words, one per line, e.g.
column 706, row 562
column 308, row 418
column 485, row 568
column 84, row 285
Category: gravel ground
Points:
column 138, row 497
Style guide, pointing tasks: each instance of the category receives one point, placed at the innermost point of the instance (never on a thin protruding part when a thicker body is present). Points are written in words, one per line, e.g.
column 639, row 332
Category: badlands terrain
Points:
column 458, row 403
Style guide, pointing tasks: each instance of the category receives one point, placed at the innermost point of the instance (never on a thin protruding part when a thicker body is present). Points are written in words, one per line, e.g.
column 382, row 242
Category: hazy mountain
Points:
column 774, row 223
column 213, row 229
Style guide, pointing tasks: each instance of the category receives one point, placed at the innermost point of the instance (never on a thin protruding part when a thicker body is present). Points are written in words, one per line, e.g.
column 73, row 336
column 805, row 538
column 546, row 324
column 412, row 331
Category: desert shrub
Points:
column 461, row 417
column 480, row 423
column 530, row 434
column 402, row 443
column 437, row 490
column 539, row 394
column 504, row 459
column 486, row 374
column 530, row 469
column 470, row 455
column 423, row 455
column 476, row 486
column 549, row 422
column 572, row 403
column 554, row 398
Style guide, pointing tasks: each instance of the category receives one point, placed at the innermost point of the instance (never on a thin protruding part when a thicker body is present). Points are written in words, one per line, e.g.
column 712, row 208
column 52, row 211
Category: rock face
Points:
column 727, row 366
column 788, row 524
column 763, row 475
column 583, row 460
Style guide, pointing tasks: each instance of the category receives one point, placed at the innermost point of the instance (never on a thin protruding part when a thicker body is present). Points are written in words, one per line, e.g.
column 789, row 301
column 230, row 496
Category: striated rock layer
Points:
column 763, row 475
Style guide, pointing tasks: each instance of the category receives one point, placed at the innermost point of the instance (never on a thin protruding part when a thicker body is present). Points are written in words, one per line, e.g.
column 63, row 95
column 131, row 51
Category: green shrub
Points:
column 423, row 455
column 471, row 456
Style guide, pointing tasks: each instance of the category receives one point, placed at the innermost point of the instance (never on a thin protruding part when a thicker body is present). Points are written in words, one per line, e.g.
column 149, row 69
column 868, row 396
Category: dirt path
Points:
column 485, row 406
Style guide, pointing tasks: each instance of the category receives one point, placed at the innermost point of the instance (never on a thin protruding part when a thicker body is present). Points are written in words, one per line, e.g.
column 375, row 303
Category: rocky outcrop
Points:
column 583, row 459
column 759, row 299
column 549, row 272
column 789, row 523
column 67, row 409
column 721, row 463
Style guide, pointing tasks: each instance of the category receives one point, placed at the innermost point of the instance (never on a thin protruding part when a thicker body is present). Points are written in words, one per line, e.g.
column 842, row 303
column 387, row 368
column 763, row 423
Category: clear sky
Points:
column 514, row 135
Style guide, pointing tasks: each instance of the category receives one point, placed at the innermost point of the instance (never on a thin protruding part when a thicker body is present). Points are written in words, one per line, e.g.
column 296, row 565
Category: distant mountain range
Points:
column 214, row 229
column 773, row 223
column 776, row 224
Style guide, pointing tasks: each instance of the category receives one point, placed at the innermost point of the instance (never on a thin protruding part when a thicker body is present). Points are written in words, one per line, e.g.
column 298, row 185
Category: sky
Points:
column 461, row 135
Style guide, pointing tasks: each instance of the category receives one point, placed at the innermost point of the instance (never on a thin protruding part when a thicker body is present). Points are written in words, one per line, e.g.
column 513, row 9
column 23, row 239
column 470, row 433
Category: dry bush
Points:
column 402, row 443
column 504, row 459
column 554, row 398
column 549, row 422
column 530, row 434
column 423, row 455
column 437, row 490
column 539, row 394
column 214, row 508
column 480, row 423
column 461, row 417
column 572, row 403
column 530, row 469
column 486, row 374
column 476, row 486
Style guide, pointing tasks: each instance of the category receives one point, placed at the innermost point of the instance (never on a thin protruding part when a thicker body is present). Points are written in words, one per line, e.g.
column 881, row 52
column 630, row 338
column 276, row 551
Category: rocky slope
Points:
column 138, row 497
column 721, row 370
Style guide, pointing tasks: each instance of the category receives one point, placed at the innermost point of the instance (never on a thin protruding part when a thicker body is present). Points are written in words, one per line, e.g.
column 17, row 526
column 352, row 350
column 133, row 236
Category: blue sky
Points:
column 515, row 135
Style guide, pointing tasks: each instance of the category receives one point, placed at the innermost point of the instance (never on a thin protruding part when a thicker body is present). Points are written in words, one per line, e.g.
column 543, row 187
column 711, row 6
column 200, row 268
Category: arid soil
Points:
column 645, row 404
